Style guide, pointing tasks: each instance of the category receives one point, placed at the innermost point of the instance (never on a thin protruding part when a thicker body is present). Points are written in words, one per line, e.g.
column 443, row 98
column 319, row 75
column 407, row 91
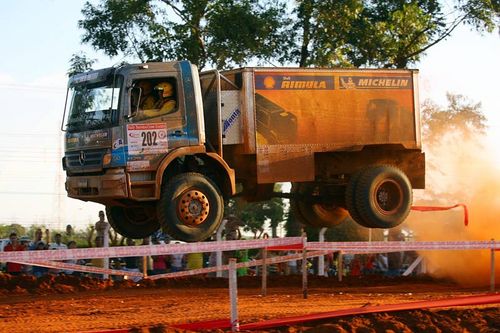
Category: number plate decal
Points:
column 147, row 138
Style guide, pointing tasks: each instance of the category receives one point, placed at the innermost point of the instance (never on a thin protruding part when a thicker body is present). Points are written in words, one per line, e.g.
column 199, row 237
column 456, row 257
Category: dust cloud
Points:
column 459, row 171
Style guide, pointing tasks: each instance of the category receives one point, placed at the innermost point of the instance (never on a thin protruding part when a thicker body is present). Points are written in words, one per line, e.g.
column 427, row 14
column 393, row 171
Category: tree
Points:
column 387, row 33
column 461, row 116
column 219, row 32
column 256, row 214
column 6, row 230
column 79, row 63
column 452, row 136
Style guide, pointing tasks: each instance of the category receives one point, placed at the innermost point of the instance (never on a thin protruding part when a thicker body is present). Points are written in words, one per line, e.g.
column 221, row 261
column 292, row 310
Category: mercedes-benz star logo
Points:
column 81, row 157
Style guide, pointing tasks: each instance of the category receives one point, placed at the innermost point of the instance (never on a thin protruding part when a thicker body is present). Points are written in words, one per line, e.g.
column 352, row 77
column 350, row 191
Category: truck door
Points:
column 158, row 124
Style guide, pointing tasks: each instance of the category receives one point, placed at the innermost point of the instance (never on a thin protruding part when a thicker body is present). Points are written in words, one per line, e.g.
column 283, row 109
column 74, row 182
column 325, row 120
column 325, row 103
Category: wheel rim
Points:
column 388, row 197
column 193, row 207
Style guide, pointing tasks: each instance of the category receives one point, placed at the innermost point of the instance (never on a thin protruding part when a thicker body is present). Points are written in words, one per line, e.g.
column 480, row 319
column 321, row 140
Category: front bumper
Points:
column 111, row 185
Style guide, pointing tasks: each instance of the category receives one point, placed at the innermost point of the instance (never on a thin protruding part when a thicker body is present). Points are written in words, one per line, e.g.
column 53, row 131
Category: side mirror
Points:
column 135, row 94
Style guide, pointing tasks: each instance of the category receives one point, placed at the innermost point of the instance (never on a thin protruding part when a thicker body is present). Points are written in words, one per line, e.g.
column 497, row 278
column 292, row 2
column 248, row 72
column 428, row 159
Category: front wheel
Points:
column 134, row 221
column 190, row 207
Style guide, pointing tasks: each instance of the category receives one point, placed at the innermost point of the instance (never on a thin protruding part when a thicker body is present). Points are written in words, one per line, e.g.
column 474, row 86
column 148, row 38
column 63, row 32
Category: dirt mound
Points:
column 73, row 304
column 62, row 284
column 468, row 320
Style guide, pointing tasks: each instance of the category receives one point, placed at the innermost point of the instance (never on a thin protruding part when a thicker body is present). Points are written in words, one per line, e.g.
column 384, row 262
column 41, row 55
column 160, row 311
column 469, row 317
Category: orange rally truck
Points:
column 162, row 145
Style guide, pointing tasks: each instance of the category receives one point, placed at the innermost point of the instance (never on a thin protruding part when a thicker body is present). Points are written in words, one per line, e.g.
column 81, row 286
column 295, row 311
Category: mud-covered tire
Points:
column 383, row 196
column 190, row 208
column 133, row 222
column 350, row 201
column 315, row 214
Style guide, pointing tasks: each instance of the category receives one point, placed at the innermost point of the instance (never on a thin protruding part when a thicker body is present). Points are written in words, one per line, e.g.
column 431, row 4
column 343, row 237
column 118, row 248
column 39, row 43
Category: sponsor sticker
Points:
column 147, row 138
column 375, row 82
column 293, row 82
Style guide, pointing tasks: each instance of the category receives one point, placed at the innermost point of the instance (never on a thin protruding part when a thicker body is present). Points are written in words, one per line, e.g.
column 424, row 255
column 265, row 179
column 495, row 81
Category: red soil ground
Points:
column 68, row 304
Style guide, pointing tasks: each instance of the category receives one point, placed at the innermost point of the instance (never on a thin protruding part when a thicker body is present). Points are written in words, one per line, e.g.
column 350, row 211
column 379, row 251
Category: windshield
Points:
column 93, row 106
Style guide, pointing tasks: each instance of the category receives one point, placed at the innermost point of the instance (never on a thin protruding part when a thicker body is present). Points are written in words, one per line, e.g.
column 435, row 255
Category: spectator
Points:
column 14, row 268
column 395, row 259
column 72, row 245
column 355, row 267
column 101, row 226
column 369, row 267
column 39, row 271
column 159, row 261
column 38, row 238
column 291, row 266
column 242, row 256
column 58, row 244
column 232, row 227
column 131, row 263
column 146, row 261
column 177, row 261
column 68, row 234
column 194, row 260
column 97, row 262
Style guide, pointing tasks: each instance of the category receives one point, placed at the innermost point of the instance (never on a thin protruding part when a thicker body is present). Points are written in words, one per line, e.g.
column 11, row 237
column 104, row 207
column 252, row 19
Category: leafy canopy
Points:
column 219, row 32
column 225, row 33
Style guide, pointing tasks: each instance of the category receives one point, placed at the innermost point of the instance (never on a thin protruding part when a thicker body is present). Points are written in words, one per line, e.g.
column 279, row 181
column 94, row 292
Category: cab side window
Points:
column 154, row 97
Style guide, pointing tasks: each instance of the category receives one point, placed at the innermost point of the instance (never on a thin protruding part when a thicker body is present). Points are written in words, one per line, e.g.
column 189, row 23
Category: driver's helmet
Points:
column 165, row 89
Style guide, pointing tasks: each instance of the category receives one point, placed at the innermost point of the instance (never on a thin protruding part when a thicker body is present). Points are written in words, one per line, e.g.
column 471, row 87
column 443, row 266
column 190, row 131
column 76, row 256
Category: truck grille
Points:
column 84, row 161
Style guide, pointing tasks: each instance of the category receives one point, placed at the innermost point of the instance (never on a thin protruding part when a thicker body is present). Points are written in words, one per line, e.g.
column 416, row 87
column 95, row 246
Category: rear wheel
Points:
column 190, row 207
column 383, row 196
column 350, row 200
column 312, row 213
column 133, row 222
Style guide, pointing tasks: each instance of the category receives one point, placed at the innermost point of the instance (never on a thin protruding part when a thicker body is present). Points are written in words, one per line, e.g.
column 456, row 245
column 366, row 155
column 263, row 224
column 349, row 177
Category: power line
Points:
column 53, row 89
column 29, row 134
column 29, row 193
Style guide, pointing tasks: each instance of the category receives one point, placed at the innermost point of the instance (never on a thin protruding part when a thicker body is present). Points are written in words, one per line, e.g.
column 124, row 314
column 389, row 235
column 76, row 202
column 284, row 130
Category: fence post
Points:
column 492, row 266
column 321, row 259
column 218, row 257
column 105, row 244
column 264, row 272
column 233, row 295
column 340, row 269
column 304, row 265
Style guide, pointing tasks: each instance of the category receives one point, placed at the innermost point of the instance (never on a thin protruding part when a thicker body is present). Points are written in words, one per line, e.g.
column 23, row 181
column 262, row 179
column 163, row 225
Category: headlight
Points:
column 106, row 159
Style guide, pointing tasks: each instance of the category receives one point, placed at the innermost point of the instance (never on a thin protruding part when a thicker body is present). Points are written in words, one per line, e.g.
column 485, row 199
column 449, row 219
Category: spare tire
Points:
column 383, row 196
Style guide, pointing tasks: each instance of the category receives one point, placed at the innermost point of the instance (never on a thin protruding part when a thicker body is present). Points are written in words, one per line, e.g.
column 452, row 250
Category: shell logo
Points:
column 269, row 82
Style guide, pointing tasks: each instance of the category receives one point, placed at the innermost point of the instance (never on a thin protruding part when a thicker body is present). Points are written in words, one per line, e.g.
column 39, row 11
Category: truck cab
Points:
column 130, row 132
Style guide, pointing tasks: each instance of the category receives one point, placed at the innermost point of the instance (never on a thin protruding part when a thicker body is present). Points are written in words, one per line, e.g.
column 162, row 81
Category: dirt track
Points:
column 68, row 304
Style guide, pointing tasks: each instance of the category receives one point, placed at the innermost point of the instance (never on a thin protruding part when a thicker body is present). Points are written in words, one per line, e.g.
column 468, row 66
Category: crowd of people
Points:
column 390, row 264
column 41, row 242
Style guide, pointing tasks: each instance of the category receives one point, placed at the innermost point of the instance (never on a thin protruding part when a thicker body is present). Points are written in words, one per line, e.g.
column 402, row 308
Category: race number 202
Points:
column 147, row 138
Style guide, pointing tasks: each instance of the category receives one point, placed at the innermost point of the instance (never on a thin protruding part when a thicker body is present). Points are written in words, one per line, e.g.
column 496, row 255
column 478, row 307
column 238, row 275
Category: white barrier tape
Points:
column 273, row 260
column 81, row 268
column 149, row 250
column 145, row 250
column 374, row 247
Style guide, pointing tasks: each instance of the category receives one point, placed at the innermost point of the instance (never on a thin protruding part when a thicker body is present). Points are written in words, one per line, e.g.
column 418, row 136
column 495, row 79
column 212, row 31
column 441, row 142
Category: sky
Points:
column 37, row 39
